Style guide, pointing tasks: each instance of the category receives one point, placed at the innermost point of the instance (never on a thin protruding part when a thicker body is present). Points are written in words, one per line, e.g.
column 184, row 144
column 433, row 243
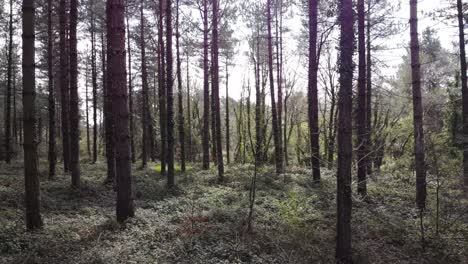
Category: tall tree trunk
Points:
column 117, row 87
column 189, row 115
column 15, row 117
column 276, row 134
column 313, row 93
column 8, row 151
column 74, row 98
column 219, row 144
column 170, row 98
column 144, row 93
column 279, row 77
column 162, row 88
column 369, row 92
column 461, row 27
column 213, row 116
column 417, row 109
column 228, row 126
column 88, row 139
column 361, row 104
column 52, row 155
column 64, row 86
column 108, row 119
column 206, row 91
column 130, row 89
column 180, row 96
column 94, row 82
column 31, row 173
column 345, row 148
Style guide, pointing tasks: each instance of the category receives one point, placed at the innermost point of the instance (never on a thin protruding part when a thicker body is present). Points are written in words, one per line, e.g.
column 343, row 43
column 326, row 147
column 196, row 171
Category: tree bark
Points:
column 189, row 115
column 117, row 87
column 180, row 96
column 313, row 93
column 8, row 151
column 130, row 90
column 64, row 86
column 144, row 93
column 108, row 119
column 361, row 114
column 344, row 200
column 74, row 98
column 219, row 144
column 31, row 173
column 170, row 98
column 420, row 164
column 162, row 89
column 276, row 135
column 88, row 139
column 369, row 92
column 461, row 27
column 94, row 82
column 206, row 91
column 228, row 126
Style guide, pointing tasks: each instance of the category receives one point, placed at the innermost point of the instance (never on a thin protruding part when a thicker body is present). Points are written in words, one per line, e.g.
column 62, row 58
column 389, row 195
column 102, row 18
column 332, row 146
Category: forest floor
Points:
column 205, row 222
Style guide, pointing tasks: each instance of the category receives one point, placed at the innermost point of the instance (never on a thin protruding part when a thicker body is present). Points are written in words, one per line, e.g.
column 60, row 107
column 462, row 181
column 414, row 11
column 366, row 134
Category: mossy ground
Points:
column 205, row 222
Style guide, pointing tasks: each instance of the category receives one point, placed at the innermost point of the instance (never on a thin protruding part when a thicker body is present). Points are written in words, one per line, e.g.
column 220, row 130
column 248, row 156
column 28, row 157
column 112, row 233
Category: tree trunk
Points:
column 278, row 8
column 8, row 151
column 144, row 93
column 94, row 83
column 417, row 109
column 130, row 90
column 180, row 96
column 361, row 114
column 228, row 127
column 64, row 86
column 369, row 92
column 31, row 173
column 313, row 93
column 74, row 110
column 162, row 89
column 88, row 139
column 117, row 87
column 206, row 91
column 108, row 120
column 170, row 98
column 189, row 115
column 461, row 27
column 344, row 200
column 276, row 134
column 219, row 144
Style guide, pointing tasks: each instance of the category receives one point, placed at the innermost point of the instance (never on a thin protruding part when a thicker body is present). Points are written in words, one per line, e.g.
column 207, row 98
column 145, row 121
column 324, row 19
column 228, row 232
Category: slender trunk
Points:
column 461, row 27
column 144, row 93
column 130, row 90
column 276, row 134
column 170, row 98
column 345, row 148
column 369, row 92
column 313, row 93
column 189, row 115
column 108, row 120
column 206, row 91
column 278, row 76
column 64, row 86
column 228, row 127
column 361, row 104
column 117, row 87
column 94, row 83
column 74, row 110
column 8, row 151
column 219, row 144
column 162, row 89
column 180, row 96
column 15, row 118
column 31, row 173
column 88, row 140
column 213, row 116
column 417, row 109
column 52, row 155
